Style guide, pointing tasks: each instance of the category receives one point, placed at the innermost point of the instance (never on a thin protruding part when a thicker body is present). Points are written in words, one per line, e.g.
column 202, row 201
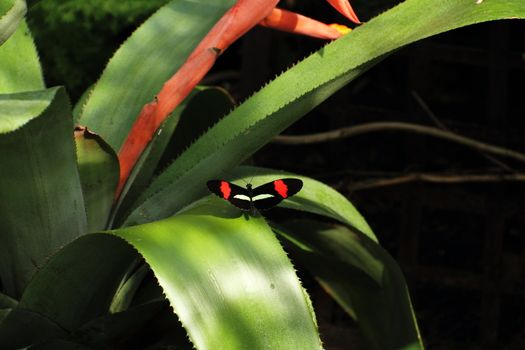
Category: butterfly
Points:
column 261, row 198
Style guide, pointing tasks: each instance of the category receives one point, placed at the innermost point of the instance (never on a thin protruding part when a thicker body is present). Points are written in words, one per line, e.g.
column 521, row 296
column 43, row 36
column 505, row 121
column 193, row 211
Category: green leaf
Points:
column 144, row 62
column 361, row 276
column 228, row 280
column 42, row 207
column 20, row 68
column 11, row 13
column 99, row 174
column 300, row 89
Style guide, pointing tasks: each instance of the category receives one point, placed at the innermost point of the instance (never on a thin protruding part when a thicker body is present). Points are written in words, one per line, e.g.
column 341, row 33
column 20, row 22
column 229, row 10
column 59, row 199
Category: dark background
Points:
column 460, row 243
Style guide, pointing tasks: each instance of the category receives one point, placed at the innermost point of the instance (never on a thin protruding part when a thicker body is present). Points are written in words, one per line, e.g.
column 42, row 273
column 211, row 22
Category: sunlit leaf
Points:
column 20, row 68
column 228, row 280
column 11, row 13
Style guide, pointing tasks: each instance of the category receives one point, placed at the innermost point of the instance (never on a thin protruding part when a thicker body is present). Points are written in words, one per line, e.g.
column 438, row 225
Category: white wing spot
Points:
column 242, row 197
column 262, row 196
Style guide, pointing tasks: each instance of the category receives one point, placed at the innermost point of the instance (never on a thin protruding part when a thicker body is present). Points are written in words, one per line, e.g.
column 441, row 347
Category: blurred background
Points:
column 453, row 216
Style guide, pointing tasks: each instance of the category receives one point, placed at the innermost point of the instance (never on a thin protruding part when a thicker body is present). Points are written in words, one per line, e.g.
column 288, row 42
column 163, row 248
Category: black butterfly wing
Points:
column 269, row 195
column 234, row 194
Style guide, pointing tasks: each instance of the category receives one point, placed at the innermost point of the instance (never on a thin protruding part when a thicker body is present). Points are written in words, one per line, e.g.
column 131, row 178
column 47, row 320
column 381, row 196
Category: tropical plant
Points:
column 158, row 261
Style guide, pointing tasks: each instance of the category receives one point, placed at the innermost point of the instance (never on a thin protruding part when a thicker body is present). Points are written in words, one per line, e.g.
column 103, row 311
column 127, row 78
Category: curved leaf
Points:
column 20, row 68
column 300, row 89
column 228, row 280
column 153, row 53
column 11, row 12
column 41, row 206
column 361, row 276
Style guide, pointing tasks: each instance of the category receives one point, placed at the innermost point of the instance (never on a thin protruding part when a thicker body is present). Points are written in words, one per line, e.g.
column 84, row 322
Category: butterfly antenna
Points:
column 249, row 182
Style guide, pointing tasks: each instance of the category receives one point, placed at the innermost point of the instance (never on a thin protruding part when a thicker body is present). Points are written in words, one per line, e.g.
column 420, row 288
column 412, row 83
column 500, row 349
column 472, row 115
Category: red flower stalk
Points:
column 240, row 18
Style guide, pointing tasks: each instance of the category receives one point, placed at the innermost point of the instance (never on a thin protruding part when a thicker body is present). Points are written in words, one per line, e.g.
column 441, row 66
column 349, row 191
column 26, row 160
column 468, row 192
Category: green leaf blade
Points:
column 11, row 13
column 229, row 282
column 42, row 205
column 20, row 68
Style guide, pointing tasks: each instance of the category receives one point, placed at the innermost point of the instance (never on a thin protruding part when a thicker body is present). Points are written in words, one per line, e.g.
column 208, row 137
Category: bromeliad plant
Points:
column 96, row 252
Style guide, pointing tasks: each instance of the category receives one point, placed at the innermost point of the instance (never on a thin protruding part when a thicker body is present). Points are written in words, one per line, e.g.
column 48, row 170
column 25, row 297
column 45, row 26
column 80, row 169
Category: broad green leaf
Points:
column 228, row 280
column 300, row 89
column 144, row 62
column 11, row 12
column 20, row 68
column 99, row 173
column 361, row 276
column 42, row 207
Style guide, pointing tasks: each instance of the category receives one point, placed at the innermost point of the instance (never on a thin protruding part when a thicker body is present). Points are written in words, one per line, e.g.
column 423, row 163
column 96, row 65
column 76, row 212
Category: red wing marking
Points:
column 225, row 190
column 281, row 188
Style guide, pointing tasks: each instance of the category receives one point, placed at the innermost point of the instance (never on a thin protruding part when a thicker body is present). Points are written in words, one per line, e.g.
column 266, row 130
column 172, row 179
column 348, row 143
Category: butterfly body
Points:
column 259, row 198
